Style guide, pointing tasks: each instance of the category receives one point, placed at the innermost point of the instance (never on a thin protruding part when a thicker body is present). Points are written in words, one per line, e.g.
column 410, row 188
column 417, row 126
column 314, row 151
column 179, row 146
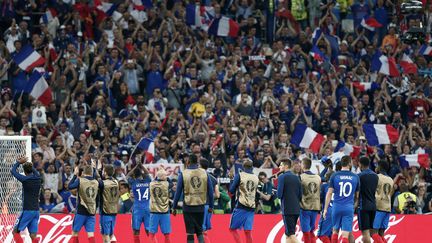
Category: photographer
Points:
column 405, row 202
column 265, row 192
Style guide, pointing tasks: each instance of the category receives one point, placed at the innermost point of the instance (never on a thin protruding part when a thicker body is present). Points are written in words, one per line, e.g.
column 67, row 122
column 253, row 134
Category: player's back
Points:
column 345, row 185
column 140, row 190
column 31, row 188
column 368, row 186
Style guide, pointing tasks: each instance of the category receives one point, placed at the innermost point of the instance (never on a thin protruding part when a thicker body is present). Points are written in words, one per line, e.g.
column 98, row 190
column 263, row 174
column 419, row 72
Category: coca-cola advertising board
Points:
column 56, row 228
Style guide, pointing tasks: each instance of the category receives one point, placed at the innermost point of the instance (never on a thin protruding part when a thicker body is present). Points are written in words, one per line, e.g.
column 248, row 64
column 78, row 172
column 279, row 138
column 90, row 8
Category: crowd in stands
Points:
column 116, row 78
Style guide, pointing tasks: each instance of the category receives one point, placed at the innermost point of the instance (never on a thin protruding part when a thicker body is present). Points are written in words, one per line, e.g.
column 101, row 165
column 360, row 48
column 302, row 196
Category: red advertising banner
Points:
column 56, row 228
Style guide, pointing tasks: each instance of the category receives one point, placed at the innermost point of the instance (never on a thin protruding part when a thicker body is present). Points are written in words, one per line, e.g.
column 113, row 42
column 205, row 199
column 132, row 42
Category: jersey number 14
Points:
column 345, row 189
column 145, row 196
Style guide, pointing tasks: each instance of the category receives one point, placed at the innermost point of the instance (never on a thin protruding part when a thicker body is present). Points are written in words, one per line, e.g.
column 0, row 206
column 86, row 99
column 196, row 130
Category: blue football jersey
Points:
column 141, row 192
column 324, row 189
column 345, row 185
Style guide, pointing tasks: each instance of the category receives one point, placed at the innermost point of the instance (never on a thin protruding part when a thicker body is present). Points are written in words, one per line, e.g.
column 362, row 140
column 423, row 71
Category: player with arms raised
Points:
column 108, row 207
column 31, row 184
column 159, row 206
column 246, row 183
column 345, row 185
column 140, row 183
column 88, row 188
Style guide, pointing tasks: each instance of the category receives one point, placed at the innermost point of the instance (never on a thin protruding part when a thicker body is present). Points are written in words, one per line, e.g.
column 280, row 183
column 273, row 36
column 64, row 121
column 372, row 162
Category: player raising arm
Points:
column 108, row 203
column 246, row 183
column 139, row 179
column 159, row 206
column 87, row 187
column 31, row 185
column 345, row 185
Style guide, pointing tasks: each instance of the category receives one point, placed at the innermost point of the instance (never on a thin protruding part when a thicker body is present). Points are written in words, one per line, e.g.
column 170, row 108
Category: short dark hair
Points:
column 262, row 173
column 345, row 161
column 338, row 166
column 204, row 164
column 125, row 185
column 109, row 170
column 383, row 166
column 286, row 162
column 364, row 161
column 307, row 163
column 28, row 167
column 193, row 159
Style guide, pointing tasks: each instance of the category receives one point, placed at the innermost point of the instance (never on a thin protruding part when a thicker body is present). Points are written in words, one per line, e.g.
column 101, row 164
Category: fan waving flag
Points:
column 316, row 35
column 347, row 149
column 408, row 66
column 147, row 145
column 140, row 5
column 385, row 65
column 224, row 26
column 417, row 160
column 48, row 16
column 377, row 134
column 107, row 8
column 317, row 54
column 425, row 50
column 39, row 89
column 28, row 58
column 305, row 137
column 370, row 23
column 365, row 86
column 199, row 16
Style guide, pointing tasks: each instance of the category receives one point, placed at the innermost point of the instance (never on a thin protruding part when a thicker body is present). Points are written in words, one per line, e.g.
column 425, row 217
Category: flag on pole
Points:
column 39, row 89
column 370, row 23
column 417, row 160
column 305, row 137
column 377, row 134
column 28, row 58
column 224, row 26
column 148, row 147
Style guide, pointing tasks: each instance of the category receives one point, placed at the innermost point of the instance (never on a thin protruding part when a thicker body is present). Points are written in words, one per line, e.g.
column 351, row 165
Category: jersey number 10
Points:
column 345, row 189
column 145, row 196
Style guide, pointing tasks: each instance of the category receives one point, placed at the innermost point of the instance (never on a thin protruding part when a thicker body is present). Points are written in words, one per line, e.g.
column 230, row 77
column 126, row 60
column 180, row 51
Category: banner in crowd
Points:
column 172, row 170
column 268, row 229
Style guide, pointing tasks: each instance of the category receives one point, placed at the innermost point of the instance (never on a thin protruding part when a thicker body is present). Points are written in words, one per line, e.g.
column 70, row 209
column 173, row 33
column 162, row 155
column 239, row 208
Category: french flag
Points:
column 408, row 66
column 347, row 149
column 377, row 134
column 39, row 89
column 28, row 58
column 147, row 145
column 317, row 54
column 199, row 16
column 48, row 16
column 365, row 86
column 107, row 8
column 417, row 160
column 224, row 26
column 385, row 65
column 305, row 137
column 425, row 50
column 370, row 23
column 316, row 35
column 140, row 5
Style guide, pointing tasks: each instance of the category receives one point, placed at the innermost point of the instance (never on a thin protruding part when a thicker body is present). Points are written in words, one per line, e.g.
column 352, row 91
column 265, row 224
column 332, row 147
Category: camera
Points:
column 413, row 35
column 411, row 7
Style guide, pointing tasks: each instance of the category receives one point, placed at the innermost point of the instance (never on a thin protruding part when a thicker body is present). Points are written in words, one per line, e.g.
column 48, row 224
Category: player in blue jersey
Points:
column 345, row 185
column 31, row 184
column 139, row 179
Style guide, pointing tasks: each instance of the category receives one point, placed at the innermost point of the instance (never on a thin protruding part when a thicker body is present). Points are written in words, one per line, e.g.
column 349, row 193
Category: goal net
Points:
column 11, row 148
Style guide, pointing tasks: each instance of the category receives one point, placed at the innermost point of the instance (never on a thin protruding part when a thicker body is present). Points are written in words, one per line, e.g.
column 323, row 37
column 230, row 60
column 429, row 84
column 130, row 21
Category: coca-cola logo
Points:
column 59, row 232
column 277, row 234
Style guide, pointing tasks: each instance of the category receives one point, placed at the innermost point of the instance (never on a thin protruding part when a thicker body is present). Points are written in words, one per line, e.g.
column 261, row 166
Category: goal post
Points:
column 11, row 148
